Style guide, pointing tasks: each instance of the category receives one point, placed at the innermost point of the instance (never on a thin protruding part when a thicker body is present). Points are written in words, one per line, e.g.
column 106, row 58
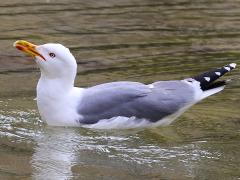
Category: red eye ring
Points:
column 52, row 55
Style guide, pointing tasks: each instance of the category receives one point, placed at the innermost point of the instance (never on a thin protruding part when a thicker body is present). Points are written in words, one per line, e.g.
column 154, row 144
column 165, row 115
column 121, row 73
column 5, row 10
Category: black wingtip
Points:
column 206, row 79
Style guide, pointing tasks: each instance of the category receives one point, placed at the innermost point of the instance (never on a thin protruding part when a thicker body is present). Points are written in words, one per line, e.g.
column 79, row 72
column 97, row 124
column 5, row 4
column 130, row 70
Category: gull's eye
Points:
column 52, row 55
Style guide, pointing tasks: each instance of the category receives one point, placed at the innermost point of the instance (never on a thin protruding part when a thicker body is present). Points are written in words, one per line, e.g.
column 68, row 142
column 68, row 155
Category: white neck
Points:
column 56, row 101
column 54, row 87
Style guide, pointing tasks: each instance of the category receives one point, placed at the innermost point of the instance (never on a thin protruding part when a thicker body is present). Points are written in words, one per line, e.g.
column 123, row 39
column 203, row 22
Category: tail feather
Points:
column 210, row 92
column 207, row 79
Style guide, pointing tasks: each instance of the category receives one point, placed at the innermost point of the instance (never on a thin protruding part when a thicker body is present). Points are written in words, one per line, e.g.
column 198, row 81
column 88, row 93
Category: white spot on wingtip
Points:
column 233, row 65
column 218, row 73
column 207, row 79
column 227, row 68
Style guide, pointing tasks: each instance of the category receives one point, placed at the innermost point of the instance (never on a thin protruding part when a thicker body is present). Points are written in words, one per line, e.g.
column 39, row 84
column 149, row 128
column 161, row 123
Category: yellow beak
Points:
column 28, row 48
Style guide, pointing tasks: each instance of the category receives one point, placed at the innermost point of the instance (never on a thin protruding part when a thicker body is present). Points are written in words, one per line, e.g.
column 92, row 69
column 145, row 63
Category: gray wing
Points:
column 134, row 99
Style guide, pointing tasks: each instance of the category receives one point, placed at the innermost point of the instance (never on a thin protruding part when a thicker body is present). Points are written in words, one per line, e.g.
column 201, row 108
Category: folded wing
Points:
column 132, row 99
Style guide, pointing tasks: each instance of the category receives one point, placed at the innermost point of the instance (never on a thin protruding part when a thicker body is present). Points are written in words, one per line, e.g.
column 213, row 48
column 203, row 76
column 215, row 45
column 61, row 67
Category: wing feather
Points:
column 133, row 99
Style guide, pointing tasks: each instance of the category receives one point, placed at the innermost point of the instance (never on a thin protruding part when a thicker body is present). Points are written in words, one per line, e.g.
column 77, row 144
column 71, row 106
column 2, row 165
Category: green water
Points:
column 138, row 40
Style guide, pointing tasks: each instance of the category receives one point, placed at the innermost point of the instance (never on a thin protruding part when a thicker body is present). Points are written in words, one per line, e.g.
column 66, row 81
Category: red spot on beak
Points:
column 20, row 48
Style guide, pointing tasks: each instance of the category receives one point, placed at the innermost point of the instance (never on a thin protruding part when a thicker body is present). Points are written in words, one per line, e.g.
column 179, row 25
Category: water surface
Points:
column 137, row 40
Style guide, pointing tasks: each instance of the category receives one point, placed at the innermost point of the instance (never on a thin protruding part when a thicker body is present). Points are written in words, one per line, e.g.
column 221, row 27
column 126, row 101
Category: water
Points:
column 136, row 40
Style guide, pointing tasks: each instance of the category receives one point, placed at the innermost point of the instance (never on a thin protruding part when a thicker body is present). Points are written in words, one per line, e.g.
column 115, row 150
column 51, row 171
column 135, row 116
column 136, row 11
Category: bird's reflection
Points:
column 55, row 153
column 62, row 153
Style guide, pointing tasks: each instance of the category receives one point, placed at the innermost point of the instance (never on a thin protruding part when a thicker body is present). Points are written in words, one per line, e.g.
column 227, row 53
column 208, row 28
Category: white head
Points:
column 55, row 89
column 54, row 60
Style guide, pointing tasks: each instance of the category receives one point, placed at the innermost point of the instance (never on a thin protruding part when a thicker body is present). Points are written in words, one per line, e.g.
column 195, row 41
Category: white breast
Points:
column 58, row 107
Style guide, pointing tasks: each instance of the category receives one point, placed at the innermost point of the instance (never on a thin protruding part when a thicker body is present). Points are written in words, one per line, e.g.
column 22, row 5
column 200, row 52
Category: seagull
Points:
column 122, row 104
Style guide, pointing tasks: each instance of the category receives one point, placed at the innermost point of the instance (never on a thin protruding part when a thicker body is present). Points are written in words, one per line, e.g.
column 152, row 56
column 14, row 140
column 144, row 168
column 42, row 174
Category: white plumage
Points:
column 111, row 105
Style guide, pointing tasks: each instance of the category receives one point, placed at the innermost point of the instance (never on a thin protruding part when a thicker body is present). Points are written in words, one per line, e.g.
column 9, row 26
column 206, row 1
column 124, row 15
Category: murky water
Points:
column 139, row 40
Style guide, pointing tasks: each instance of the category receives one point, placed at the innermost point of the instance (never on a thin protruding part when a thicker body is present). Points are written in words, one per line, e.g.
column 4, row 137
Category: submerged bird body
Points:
column 116, row 104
